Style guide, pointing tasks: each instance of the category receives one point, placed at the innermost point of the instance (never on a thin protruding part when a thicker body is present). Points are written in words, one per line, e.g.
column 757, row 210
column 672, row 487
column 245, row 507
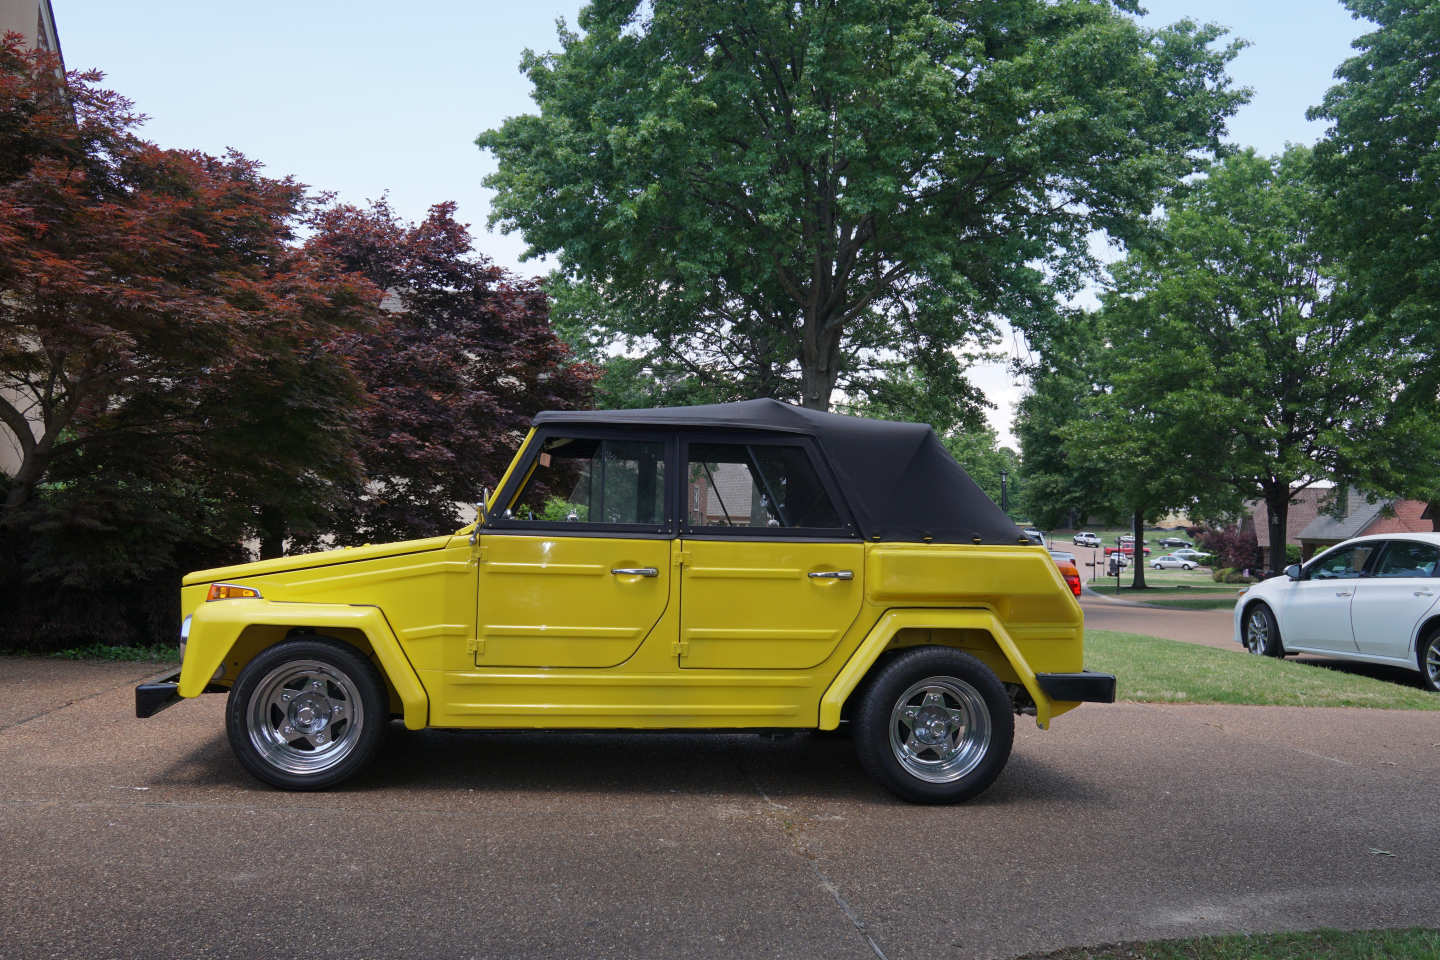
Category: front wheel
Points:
column 306, row 714
column 934, row 726
column 1430, row 660
column 1262, row 634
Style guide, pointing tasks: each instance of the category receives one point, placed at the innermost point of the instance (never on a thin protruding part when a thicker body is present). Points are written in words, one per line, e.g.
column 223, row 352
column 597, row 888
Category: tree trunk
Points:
column 1277, row 507
column 1139, row 557
column 819, row 363
column 272, row 533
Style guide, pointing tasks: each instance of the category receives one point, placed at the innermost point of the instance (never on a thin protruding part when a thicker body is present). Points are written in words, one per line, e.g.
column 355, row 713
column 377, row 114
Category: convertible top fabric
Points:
column 898, row 478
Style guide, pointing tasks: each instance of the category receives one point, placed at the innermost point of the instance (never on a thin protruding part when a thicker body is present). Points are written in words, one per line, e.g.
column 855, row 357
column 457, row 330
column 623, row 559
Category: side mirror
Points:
column 1293, row 571
column 480, row 515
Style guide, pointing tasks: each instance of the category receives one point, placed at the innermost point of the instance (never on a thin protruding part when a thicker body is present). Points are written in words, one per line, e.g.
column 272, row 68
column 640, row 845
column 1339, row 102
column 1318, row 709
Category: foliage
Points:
column 1380, row 166
column 779, row 199
column 465, row 359
column 1231, row 546
column 1238, row 368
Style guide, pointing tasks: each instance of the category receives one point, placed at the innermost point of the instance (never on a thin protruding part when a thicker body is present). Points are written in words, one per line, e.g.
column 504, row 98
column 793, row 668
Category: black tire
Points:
column 1261, row 633
column 1428, row 656
column 307, row 714
column 969, row 725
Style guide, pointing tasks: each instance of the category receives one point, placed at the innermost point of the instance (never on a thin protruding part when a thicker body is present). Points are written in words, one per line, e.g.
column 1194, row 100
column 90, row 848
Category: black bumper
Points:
column 155, row 695
column 1086, row 687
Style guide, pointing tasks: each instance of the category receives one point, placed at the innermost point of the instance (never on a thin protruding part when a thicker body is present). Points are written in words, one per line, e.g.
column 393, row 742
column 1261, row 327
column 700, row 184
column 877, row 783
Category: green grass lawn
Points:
column 1154, row 670
column 1412, row 944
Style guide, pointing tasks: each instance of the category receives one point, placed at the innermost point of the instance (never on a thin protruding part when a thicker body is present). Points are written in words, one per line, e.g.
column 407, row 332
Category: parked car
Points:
column 1198, row 557
column 1371, row 599
column 1172, row 562
column 1173, row 542
column 1038, row 536
column 749, row 565
column 1127, row 548
column 1086, row 540
column 1062, row 556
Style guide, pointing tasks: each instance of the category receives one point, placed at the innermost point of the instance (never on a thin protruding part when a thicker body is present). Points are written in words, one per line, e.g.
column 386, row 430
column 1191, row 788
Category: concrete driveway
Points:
column 142, row 838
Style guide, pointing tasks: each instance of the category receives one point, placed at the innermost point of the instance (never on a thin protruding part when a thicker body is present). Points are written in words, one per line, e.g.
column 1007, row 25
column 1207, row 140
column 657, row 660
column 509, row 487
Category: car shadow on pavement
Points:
column 1377, row 671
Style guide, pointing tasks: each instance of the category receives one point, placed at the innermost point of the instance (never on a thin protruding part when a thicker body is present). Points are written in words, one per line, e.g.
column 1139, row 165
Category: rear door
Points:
column 771, row 566
column 1390, row 603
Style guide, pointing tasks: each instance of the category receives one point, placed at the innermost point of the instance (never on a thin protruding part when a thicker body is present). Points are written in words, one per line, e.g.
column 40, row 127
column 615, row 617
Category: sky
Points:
column 368, row 98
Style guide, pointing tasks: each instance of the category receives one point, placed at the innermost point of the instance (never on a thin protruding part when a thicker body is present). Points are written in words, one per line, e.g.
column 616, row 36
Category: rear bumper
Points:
column 1086, row 686
column 155, row 695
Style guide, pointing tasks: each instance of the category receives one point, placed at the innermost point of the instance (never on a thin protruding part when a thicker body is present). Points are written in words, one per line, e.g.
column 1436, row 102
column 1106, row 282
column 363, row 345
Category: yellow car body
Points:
column 524, row 623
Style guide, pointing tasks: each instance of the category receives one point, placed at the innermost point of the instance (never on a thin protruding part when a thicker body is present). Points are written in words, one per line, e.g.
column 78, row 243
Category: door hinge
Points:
column 680, row 647
column 682, row 557
column 475, row 646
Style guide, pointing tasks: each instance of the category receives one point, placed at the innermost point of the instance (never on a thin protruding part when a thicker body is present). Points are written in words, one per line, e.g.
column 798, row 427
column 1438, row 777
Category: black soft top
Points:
column 898, row 478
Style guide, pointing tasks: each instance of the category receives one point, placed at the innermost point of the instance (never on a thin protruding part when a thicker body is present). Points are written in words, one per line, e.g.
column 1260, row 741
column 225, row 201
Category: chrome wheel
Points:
column 939, row 729
column 1257, row 631
column 305, row 717
column 1432, row 663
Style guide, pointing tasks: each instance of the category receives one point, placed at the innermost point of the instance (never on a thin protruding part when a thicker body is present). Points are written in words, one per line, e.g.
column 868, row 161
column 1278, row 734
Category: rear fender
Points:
column 1003, row 657
column 216, row 630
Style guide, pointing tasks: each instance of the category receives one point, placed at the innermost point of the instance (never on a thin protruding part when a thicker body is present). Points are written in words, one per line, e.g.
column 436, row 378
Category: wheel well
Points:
column 1425, row 630
column 978, row 643
column 259, row 637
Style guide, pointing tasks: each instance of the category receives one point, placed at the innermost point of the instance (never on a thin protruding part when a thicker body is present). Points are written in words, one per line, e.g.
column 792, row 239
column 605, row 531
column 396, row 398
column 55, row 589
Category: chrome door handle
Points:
column 832, row 575
column 1342, row 593
column 635, row 572
column 1423, row 593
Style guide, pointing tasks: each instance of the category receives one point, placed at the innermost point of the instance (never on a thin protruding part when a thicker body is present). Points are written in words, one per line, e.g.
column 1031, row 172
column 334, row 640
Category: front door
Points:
column 575, row 571
column 771, row 571
column 1317, row 610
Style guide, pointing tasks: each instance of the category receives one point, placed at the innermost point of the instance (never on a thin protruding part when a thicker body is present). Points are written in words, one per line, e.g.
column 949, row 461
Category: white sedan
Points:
column 1171, row 562
column 1371, row 599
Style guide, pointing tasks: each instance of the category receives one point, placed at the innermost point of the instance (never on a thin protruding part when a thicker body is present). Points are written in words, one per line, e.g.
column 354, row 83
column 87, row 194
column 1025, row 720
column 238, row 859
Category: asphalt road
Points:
column 142, row 838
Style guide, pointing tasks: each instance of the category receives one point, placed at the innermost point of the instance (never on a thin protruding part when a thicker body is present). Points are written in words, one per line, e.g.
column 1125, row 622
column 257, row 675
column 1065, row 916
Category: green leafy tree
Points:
column 784, row 198
column 1236, row 367
column 1379, row 164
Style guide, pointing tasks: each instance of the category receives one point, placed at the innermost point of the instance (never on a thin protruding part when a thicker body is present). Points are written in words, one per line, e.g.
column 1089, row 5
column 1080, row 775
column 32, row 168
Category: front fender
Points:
column 215, row 627
column 894, row 621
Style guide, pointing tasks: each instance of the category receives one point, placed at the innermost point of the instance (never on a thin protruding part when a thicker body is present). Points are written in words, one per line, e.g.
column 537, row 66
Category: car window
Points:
column 585, row 480
column 732, row 485
column 1341, row 564
column 1406, row 558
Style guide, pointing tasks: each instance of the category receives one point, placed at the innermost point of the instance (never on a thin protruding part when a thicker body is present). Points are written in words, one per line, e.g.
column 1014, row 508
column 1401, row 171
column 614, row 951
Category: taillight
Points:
column 1072, row 577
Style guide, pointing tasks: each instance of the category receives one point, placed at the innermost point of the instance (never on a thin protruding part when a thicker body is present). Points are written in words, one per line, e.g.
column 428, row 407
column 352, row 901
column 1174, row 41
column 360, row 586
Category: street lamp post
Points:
column 1004, row 492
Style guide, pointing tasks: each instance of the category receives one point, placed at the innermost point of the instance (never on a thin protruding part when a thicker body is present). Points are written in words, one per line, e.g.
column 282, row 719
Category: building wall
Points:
column 1304, row 508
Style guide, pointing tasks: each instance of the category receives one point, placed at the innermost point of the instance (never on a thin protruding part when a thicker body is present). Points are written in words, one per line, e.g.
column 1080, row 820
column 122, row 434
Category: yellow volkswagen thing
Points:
column 736, row 566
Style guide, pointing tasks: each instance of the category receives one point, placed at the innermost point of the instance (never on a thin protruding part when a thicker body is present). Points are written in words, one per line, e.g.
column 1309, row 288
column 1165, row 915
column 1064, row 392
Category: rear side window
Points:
column 754, row 487
column 1406, row 558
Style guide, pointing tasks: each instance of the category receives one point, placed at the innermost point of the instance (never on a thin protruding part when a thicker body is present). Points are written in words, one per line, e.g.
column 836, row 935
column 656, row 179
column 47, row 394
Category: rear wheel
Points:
column 306, row 714
column 934, row 726
column 1429, row 655
column 1262, row 634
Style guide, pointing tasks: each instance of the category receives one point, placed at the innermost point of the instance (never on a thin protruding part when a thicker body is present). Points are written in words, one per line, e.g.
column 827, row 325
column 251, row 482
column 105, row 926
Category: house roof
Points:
column 1304, row 508
column 1328, row 528
column 898, row 478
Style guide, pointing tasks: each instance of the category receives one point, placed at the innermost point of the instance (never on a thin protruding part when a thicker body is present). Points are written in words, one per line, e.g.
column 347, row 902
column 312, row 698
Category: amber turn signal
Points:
column 231, row 591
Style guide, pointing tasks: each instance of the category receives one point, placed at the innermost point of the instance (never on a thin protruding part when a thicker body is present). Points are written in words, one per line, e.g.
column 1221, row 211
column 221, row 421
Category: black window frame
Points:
column 497, row 522
column 847, row 532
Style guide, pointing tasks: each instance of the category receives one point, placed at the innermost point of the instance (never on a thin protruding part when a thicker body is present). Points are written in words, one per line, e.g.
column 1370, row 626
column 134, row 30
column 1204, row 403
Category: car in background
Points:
column 1086, row 540
column 1036, row 535
column 1173, row 542
column 1062, row 556
column 1172, row 562
column 1198, row 557
column 1371, row 599
column 1127, row 547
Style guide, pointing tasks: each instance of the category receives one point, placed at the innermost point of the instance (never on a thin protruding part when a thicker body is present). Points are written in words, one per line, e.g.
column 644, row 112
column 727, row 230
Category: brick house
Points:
column 1305, row 506
column 1357, row 516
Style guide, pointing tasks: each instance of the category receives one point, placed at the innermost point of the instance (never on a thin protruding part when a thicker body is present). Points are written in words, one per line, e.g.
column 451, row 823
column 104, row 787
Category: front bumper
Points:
column 155, row 695
column 1085, row 687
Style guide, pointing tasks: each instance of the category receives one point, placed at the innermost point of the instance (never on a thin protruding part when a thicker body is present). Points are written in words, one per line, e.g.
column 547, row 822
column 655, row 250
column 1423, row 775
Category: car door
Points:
column 771, row 566
column 1316, row 612
column 1390, row 603
column 574, row 570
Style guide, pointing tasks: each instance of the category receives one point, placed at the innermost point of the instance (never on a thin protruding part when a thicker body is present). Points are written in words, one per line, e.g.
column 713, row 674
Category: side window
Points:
column 735, row 485
column 1406, row 558
column 584, row 480
column 1343, row 564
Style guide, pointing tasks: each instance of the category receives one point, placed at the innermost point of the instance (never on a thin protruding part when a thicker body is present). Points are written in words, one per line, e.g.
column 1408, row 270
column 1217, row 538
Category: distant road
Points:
column 1212, row 628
